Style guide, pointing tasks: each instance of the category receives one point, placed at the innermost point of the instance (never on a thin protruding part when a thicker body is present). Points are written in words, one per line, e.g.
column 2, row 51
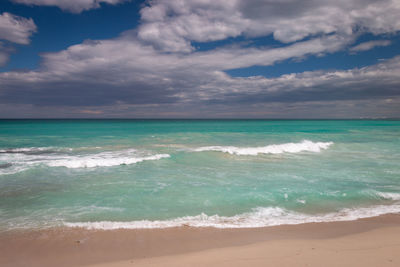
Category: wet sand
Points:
column 367, row 242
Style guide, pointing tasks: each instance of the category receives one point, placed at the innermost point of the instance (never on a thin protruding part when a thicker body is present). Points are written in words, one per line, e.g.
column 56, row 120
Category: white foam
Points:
column 45, row 150
column 28, row 149
column 303, row 146
column 302, row 201
column 13, row 169
column 101, row 160
column 386, row 195
column 259, row 217
column 22, row 159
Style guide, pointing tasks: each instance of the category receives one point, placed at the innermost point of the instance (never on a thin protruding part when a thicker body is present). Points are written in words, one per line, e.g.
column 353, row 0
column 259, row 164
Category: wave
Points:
column 390, row 196
column 259, row 217
column 32, row 150
column 20, row 159
column 374, row 194
column 303, row 146
column 46, row 150
column 5, row 165
column 101, row 161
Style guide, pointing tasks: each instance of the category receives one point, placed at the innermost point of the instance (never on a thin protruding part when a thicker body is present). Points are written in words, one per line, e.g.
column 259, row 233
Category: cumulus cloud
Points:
column 155, row 69
column 369, row 45
column 123, row 71
column 13, row 29
column 373, row 82
column 171, row 25
column 74, row 6
column 16, row 29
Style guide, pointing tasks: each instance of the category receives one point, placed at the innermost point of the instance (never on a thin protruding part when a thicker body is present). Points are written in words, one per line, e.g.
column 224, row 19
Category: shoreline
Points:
column 156, row 247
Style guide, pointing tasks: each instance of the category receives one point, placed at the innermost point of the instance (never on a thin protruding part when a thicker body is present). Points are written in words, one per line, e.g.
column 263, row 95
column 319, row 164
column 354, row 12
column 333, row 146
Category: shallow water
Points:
column 223, row 173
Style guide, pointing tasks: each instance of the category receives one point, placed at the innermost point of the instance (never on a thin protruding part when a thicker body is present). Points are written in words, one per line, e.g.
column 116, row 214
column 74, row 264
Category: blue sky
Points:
column 57, row 29
column 199, row 59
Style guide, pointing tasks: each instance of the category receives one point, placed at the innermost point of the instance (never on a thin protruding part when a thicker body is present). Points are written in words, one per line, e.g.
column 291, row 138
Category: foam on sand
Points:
column 258, row 217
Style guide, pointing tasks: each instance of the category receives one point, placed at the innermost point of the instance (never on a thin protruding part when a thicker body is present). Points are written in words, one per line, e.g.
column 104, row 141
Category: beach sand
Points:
column 366, row 242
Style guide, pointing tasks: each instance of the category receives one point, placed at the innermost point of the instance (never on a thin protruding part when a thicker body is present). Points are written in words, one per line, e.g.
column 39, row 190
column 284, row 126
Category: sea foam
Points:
column 101, row 160
column 33, row 150
column 304, row 146
column 390, row 196
column 258, row 217
column 21, row 159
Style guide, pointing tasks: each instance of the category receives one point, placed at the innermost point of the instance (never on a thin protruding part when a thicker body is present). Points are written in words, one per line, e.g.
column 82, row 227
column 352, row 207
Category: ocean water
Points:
column 110, row 174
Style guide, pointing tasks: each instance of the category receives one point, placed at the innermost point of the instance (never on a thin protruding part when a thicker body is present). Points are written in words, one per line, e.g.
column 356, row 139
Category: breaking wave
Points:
column 33, row 150
column 258, row 217
column 304, row 146
column 101, row 160
column 390, row 196
column 21, row 159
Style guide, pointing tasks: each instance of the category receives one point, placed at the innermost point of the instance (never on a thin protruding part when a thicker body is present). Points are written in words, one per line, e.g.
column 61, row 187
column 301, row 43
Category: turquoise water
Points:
column 224, row 173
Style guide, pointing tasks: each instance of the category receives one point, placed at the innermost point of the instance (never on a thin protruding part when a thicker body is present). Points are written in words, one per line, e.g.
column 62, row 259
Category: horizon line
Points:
column 366, row 118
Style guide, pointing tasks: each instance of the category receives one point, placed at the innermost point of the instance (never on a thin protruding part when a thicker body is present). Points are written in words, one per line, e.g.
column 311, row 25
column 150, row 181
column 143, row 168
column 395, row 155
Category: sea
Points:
column 134, row 174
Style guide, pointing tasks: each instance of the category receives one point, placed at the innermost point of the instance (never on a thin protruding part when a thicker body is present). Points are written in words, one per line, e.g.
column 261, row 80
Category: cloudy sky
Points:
column 199, row 58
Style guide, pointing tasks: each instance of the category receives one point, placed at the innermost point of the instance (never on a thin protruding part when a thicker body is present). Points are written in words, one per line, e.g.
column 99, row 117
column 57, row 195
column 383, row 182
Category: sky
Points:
column 200, row 59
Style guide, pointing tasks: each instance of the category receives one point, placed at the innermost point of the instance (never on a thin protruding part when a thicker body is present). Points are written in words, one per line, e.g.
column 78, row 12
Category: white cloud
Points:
column 369, row 45
column 16, row 29
column 369, row 91
column 125, row 71
column 171, row 25
column 123, row 60
column 134, row 71
column 4, row 53
column 74, row 6
column 13, row 29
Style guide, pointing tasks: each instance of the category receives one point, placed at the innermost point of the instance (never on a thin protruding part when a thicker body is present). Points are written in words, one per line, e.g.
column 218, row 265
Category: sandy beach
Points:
column 367, row 242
